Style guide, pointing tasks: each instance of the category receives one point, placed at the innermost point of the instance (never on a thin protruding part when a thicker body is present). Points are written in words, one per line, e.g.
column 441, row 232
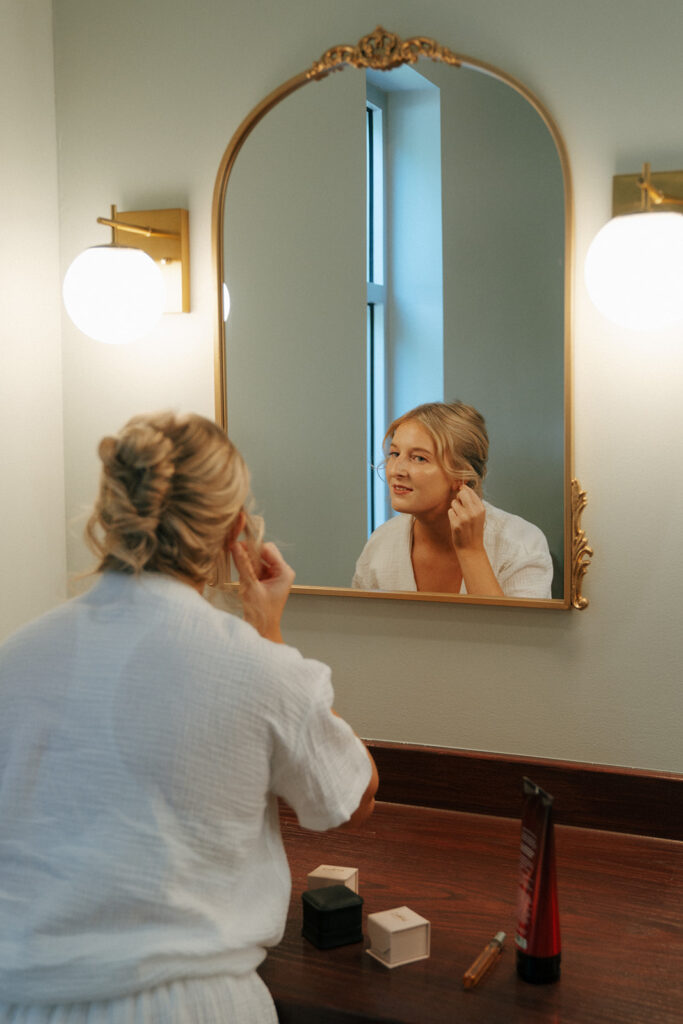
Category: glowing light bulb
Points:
column 114, row 294
column 634, row 270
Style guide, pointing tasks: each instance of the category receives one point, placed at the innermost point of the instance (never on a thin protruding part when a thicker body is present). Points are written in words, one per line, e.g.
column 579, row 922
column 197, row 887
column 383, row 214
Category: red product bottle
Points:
column 538, row 919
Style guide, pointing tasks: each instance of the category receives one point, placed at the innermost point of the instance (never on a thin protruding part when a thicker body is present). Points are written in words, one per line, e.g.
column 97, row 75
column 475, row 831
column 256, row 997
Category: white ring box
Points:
column 332, row 874
column 398, row 936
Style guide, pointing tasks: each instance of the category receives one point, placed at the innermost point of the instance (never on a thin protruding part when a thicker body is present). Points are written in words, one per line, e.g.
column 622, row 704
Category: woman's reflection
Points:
column 446, row 538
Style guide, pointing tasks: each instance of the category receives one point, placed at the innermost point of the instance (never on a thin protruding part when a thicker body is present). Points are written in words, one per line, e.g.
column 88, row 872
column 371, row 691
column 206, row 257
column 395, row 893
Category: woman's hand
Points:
column 264, row 588
column 467, row 516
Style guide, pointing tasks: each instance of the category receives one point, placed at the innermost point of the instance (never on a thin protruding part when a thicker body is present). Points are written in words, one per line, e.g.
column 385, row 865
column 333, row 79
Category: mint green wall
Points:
column 504, row 285
column 295, row 357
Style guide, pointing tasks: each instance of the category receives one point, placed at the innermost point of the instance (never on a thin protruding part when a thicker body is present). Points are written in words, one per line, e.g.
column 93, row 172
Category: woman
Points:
column 144, row 739
column 446, row 539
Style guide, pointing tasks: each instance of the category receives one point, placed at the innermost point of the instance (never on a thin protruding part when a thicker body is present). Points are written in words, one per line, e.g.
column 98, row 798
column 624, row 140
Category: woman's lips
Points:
column 398, row 489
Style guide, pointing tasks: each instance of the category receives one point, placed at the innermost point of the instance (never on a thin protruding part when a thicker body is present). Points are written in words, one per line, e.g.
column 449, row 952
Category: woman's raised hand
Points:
column 466, row 516
column 264, row 588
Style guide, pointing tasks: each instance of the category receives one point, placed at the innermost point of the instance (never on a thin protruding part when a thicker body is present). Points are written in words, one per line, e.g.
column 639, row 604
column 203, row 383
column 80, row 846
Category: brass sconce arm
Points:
column 137, row 230
column 651, row 195
column 646, row 192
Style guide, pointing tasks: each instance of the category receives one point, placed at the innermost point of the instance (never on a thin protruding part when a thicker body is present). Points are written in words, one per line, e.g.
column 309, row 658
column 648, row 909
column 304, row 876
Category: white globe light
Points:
column 634, row 270
column 114, row 294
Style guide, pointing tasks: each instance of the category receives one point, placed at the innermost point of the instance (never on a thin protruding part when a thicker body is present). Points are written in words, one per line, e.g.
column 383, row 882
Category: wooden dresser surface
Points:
column 621, row 914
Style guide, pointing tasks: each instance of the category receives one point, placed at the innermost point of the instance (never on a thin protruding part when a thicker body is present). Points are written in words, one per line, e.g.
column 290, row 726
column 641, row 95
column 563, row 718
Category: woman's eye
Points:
column 392, row 455
column 419, row 458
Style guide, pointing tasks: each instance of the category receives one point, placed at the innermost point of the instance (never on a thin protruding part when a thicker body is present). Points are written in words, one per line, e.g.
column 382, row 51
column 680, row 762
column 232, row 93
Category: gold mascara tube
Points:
column 484, row 961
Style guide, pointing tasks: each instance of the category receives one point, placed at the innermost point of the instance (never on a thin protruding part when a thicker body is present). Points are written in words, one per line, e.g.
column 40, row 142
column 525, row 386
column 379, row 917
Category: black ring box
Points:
column 333, row 916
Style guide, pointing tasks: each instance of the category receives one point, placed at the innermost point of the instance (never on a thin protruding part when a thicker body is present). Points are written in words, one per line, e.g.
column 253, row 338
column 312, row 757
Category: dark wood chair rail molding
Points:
column 586, row 795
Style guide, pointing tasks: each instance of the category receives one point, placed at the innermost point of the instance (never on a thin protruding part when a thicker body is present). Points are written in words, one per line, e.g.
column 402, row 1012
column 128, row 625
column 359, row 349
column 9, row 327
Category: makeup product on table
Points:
column 484, row 961
column 333, row 874
column 333, row 916
column 538, row 926
column 398, row 936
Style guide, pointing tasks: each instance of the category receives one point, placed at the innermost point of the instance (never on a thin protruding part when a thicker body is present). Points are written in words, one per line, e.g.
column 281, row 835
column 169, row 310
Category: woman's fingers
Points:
column 466, row 516
column 264, row 588
column 273, row 562
column 243, row 563
column 467, row 498
column 274, row 566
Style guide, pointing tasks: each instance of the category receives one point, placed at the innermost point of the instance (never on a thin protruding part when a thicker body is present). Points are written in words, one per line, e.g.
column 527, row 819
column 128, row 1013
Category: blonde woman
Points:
column 144, row 738
column 446, row 538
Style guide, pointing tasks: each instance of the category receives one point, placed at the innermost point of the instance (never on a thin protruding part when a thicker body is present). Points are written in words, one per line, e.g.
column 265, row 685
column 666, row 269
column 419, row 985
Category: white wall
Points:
column 148, row 95
column 32, row 547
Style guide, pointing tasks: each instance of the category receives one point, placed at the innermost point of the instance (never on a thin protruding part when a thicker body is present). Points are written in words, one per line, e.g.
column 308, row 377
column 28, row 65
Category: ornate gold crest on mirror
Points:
column 391, row 237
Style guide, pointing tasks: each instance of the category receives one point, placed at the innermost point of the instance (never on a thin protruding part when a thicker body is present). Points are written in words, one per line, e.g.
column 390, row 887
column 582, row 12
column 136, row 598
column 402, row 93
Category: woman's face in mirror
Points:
column 417, row 483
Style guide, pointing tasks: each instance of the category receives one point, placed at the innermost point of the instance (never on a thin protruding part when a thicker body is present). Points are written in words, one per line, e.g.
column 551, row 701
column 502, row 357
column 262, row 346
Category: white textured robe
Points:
column 517, row 550
column 144, row 738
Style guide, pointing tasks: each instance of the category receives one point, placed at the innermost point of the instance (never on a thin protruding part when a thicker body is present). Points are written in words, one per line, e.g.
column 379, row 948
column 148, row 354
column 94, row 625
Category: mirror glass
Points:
column 391, row 238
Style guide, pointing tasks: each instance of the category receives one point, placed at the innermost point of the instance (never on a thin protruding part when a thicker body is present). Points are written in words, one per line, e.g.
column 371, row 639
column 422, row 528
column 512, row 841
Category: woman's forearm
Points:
column 478, row 575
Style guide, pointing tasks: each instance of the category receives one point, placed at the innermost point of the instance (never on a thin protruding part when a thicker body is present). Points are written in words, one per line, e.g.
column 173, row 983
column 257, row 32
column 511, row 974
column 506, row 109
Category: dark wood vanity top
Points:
column 621, row 912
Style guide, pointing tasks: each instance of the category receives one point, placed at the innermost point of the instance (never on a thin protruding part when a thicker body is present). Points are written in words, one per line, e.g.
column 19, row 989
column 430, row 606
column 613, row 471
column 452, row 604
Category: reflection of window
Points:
column 376, row 376
column 405, row 363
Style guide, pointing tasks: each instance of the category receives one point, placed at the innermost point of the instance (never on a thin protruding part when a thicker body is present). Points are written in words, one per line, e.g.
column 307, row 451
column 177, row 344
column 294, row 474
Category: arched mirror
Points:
column 394, row 234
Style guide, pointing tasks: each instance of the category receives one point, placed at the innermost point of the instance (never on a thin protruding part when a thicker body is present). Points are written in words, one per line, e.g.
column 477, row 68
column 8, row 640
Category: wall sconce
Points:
column 116, row 293
column 634, row 266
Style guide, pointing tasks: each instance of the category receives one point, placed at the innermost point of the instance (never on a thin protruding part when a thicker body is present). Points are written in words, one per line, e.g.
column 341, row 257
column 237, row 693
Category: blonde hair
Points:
column 171, row 490
column 460, row 439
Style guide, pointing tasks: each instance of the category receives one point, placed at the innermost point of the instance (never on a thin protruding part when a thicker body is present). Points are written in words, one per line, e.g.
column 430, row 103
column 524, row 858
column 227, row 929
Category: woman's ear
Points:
column 235, row 530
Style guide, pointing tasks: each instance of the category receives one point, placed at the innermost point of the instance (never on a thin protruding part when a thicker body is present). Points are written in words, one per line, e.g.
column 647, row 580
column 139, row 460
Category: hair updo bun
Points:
column 171, row 490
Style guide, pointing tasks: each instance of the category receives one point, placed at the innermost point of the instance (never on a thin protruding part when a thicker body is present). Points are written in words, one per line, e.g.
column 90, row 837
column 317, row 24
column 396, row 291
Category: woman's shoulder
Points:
column 37, row 633
column 519, row 554
column 508, row 528
column 251, row 654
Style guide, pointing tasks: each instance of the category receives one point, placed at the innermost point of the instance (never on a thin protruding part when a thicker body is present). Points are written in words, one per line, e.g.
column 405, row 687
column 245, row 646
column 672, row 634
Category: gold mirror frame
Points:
column 383, row 50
